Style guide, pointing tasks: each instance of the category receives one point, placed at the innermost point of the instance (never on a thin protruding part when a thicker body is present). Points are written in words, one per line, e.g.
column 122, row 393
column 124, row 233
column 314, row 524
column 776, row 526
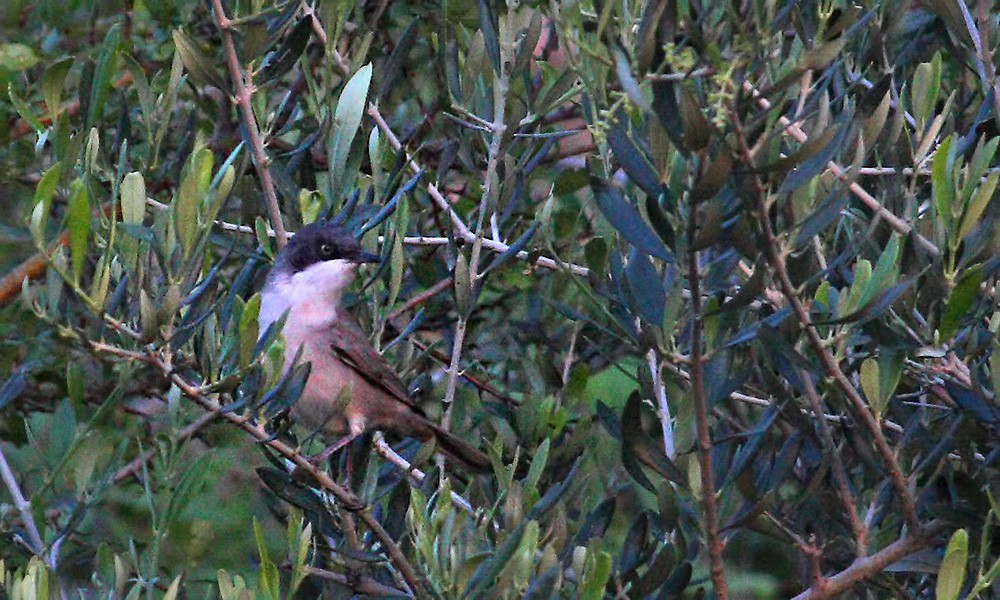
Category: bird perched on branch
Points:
column 350, row 389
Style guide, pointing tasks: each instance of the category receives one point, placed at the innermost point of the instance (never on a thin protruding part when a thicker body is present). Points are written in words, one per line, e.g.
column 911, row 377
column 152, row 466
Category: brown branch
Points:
column 36, row 265
column 347, row 499
column 711, row 520
column 31, row 269
column 134, row 467
column 773, row 253
column 420, row 298
column 868, row 566
column 898, row 224
column 361, row 585
column 244, row 90
column 839, row 472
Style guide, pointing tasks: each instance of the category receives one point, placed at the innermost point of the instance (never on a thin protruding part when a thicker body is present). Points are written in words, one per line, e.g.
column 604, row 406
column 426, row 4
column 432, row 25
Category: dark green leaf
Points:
column 595, row 525
column 665, row 107
column 814, row 165
column 52, row 84
column 660, row 568
column 103, row 72
column 634, row 161
column 678, row 581
column 634, row 546
column 203, row 70
column 513, row 249
column 647, row 287
column 486, row 574
column 543, row 586
column 748, row 452
column 960, row 301
column 626, row 219
column 393, row 67
column 488, row 25
column 875, row 307
column 78, row 225
column 16, row 383
column 291, row 49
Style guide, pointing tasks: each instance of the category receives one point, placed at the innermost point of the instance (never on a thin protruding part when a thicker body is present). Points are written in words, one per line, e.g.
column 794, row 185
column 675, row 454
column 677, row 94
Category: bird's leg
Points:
column 355, row 427
column 331, row 449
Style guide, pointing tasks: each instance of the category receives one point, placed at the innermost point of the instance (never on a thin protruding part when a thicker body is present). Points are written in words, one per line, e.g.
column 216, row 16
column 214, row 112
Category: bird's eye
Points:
column 326, row 250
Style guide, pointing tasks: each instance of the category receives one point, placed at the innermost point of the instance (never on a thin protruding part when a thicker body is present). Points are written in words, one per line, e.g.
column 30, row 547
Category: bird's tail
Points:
column 459, row 449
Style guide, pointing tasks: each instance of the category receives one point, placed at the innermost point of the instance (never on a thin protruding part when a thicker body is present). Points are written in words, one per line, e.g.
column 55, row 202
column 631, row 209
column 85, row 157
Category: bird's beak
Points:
column 367, row 257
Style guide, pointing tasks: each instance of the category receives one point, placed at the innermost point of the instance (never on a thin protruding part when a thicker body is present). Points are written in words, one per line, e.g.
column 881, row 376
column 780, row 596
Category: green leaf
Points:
column 942, row 187
column 463, row 286
column 346, row 121
column 173, row 590
column 23, row 110
column 248, row 330
column 485, row 575
column 870, row 383
column 267, row 573
column 595, row 575
column 980, row 200
column 488, row 25
column 202, row 69
column 952, row 571
column 102, row 74
column 78, row 225
column 43, row 201
column 885, row 272
column 981, row 159
column 397, row 265
column 875, row 307
column 192, row 191
column 133, row 199
column 17, row 57
column 147, row 315
column 263, row 239
column 926, row 85
column 52, row 84
column 626, row 219
column 862, row 273
column 960, row 301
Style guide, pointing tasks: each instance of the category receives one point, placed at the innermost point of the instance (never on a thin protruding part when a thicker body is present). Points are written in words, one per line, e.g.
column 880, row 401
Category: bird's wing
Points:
column 351, row 345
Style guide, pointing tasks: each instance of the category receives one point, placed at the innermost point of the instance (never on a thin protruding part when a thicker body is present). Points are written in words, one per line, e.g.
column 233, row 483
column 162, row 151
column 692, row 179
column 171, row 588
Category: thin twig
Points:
column 773, row 254
column 491, row 191
column 244, row 91
column 868, row 566
column 462, row 230
column 24, row 508
column 862, row 194
column 666, row 421
column 420, row 298
column 134, row 467
column 345, row 497
column 839, row 472
column 385, row 451
column 360, row 584
column 703, row 431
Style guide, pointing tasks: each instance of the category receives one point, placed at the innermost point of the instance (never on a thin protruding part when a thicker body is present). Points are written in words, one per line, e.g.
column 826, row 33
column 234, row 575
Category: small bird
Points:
column 350, row 389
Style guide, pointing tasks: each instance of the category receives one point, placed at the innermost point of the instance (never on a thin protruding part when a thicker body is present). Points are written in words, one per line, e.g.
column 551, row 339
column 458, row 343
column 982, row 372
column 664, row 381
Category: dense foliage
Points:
column 712, row 283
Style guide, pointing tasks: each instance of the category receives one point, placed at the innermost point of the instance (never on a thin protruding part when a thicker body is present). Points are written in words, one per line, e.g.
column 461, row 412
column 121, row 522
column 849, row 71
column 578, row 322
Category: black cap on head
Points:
column 321, row 241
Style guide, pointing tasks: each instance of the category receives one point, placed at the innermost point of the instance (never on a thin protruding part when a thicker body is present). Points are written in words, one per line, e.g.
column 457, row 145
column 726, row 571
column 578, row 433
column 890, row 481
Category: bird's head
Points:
column 311, row 273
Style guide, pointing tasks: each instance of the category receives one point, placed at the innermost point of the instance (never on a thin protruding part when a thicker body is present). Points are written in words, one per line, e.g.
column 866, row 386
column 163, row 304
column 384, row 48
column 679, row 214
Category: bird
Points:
column 350, row 389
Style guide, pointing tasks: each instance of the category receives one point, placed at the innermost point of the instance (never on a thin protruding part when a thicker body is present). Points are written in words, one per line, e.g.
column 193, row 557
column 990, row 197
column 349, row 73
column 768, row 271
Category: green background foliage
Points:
column 712, row 283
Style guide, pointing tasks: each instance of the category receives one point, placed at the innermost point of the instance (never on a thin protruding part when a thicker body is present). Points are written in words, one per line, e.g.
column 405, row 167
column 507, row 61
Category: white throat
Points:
column 311, row 296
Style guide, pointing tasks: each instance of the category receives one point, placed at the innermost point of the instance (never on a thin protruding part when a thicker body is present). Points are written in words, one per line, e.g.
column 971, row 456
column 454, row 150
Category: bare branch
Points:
column 244, row 92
